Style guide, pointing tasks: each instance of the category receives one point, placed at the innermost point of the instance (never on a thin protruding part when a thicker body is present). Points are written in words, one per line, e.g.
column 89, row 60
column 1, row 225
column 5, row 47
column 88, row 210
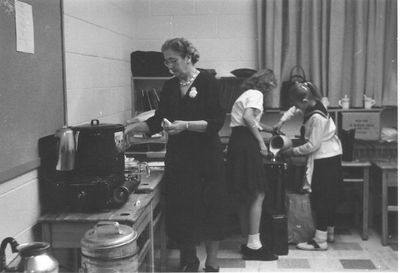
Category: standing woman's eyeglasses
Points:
column 169, row 62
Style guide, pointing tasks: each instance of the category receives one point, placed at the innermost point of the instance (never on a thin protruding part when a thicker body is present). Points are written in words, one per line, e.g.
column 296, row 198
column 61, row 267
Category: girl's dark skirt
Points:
column 245, row 169
column 327, row 189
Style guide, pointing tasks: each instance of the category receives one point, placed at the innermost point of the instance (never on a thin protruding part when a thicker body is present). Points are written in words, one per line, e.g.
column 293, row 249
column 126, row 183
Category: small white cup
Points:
column 325, row 101
column 368, row 103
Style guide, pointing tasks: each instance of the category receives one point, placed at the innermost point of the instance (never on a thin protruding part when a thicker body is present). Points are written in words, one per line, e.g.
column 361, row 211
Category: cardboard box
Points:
column 367, row 124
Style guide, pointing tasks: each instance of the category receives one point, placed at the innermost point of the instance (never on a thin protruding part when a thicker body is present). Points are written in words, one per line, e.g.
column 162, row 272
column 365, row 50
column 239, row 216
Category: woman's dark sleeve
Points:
column 215, row 112
column 155, row 121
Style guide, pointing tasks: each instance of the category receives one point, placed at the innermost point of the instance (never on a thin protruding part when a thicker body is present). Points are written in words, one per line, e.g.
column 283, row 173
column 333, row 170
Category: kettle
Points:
column 66, row 149
column 34, row 257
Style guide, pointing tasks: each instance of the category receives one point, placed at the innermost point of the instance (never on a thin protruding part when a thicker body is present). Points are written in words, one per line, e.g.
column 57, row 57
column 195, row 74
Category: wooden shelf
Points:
column 145, row 83
column 353, row 180
column 360, row 109
column 151, row 78
column 356, row 163
column 332, row 110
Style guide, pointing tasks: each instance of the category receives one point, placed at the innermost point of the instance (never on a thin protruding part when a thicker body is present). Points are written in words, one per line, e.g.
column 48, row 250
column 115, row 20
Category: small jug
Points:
column 279, row 142
column 325, row 101
column 344, row 102
column 66, row 149
column 368, row 102
column 33, row 257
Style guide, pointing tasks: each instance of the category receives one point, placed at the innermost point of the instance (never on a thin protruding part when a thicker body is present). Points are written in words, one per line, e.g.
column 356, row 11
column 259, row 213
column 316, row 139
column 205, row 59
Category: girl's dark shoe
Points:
column 262, row 254
column 211, row 269
column 191, row 267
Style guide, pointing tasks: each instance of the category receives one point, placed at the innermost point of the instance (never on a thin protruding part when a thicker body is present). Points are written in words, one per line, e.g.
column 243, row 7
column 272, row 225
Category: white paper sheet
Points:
column 24, row 27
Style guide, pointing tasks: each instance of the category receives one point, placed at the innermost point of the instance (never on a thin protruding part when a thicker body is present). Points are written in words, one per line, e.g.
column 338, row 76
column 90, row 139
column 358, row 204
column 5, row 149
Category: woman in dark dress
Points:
column 190, row 113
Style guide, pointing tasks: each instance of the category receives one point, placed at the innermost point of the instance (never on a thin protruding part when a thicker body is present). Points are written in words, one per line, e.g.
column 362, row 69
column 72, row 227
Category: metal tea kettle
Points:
column 34, row 257
column 66, row 149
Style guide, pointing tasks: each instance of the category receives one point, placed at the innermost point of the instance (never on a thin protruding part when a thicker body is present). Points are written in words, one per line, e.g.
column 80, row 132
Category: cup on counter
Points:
column 325, row 101
column 344, row 102
column 368, row 102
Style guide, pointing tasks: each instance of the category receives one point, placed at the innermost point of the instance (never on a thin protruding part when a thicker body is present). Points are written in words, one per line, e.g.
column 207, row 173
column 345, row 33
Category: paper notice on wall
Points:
column 24, row 27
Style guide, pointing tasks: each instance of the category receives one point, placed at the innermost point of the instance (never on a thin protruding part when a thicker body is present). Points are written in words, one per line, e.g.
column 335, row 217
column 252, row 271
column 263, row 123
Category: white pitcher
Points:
column 279, row 142
column 368, row 102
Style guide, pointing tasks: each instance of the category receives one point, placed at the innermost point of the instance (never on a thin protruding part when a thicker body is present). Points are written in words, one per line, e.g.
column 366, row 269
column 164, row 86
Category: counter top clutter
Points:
column 143, row 147
column 64, row 230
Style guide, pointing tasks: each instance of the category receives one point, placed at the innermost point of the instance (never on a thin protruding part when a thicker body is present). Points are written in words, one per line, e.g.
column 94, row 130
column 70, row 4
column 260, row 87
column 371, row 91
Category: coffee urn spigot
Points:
column 66, row 149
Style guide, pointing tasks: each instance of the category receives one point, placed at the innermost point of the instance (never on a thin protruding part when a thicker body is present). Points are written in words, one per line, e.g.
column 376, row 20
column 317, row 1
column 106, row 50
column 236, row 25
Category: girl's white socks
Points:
column 253, row 241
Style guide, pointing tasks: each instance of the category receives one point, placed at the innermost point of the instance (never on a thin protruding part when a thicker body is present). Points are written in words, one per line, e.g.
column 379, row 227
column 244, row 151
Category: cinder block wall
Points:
column 99, row 37
column 224, row 31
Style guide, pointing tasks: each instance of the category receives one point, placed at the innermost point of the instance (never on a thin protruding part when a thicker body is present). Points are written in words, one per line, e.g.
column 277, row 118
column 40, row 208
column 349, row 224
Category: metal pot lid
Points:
column 108, row 234
column 95, row 125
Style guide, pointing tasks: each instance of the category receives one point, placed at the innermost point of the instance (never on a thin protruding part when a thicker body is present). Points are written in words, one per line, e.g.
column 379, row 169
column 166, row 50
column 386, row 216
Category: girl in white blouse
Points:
column 245, row 171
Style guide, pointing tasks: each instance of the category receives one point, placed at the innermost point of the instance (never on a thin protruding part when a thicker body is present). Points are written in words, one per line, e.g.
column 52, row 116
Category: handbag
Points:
column 296, row 75
column 301, row 225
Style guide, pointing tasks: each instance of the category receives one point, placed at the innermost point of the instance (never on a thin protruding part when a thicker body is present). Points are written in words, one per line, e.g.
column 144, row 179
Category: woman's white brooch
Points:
column 192, row 92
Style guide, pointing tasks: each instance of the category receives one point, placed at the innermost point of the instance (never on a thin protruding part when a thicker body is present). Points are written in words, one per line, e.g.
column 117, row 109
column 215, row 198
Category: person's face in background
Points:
column 302, row 105
column 177, row 65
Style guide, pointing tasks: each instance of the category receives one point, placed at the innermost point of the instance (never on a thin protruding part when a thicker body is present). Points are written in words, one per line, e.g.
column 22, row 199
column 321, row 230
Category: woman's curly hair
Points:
column 183, row 47
column 263, row 80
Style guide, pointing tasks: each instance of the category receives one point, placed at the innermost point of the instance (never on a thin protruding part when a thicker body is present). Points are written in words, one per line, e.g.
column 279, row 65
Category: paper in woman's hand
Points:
column 165, row 123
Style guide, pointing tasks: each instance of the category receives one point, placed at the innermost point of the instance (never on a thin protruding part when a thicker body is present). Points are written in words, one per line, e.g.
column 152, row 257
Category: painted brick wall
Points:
column 99, row 36
column 224, row 31
column 19, row 209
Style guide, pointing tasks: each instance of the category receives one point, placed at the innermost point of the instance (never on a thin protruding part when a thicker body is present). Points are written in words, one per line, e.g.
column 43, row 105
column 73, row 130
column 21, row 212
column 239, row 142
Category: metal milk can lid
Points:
column 109, row 240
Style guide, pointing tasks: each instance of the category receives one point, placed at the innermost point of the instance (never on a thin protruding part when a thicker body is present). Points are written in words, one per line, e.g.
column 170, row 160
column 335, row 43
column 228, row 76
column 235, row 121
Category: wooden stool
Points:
column 365, row 165
column 388, row 178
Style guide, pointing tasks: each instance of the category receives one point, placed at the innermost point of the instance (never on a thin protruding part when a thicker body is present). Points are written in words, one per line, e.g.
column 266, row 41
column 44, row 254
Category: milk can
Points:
column 109, row 247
